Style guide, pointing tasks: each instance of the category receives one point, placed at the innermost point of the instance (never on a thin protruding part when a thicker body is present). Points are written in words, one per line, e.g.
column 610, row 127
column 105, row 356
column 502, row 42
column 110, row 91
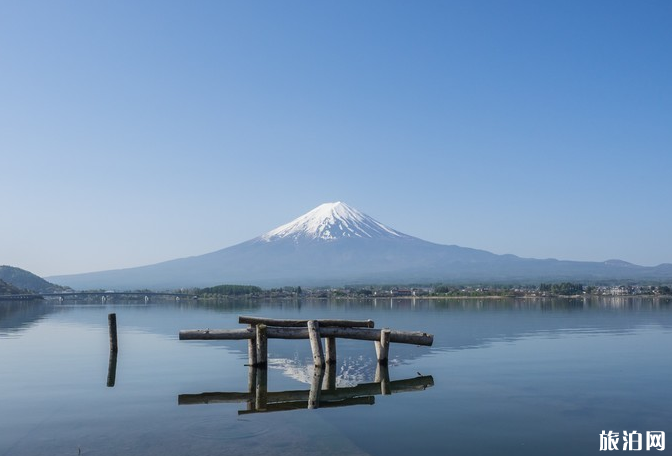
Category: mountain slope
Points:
column 9, row 289
column 26, row 280
column 335, row 244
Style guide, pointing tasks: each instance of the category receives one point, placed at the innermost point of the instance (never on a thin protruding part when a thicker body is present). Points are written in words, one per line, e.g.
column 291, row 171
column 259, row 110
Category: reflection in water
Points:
column 16, row 316
column 354, row 367
column 112, row 369
column 322, row 393
column 524, row 377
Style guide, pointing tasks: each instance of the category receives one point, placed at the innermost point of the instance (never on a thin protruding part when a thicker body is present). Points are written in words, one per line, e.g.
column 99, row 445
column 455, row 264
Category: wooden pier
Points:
column 258, row 332
column 261, row 329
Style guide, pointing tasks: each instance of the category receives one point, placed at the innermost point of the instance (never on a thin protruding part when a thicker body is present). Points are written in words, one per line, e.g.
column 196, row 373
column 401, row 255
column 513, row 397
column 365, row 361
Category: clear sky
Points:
column 136, row 132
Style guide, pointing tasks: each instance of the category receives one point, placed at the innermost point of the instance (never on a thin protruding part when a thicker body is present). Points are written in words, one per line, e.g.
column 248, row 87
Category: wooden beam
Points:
column 217, row 334
column 364, row 389
column 401, row 337
column 298, row 405
column 304, row 323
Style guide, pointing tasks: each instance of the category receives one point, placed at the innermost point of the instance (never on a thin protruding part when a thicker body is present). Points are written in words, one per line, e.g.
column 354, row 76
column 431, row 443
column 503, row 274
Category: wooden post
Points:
column 315, row 387
column 331, row 350
column 330, row 375
column 112, row 369
column 251, row 386
column 316, row 343
column 261, row 396
column 251, row 379
column 252, row 349
column 112, row 324
column 383, row 347
column 383, row 377
column 262, row 346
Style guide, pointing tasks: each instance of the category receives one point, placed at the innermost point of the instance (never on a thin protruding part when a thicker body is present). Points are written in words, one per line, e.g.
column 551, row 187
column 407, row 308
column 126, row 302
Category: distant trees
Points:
column 565, row 288
column 230, row 290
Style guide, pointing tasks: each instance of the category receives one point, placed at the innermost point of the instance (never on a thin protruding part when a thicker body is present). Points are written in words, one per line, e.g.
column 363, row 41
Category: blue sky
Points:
column 137, row 132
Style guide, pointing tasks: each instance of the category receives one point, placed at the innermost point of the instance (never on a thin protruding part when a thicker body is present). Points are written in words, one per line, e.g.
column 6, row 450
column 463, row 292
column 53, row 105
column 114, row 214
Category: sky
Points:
column 137, row 132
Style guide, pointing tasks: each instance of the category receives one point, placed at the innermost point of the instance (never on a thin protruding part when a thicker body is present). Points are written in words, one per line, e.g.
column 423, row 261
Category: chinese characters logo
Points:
column 632, row 441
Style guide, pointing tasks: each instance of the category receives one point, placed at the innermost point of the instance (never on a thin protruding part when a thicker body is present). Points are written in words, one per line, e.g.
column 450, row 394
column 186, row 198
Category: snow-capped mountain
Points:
column 331, row 221
column 335, row 244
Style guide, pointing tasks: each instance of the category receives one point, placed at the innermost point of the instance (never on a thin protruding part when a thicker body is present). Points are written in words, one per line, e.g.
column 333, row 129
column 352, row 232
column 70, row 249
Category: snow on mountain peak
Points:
column 332, row 221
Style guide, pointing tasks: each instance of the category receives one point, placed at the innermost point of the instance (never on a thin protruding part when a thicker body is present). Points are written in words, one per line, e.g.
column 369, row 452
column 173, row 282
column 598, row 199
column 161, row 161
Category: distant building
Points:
column 401, row 292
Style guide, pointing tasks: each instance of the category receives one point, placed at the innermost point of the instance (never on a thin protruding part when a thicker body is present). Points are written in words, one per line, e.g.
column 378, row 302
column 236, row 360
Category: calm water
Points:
column 510, row 377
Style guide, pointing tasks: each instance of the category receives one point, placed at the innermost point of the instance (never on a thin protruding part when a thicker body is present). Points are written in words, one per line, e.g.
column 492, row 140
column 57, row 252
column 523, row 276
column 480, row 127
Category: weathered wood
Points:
column 112, row 369
column 252, row 351
column 383, row 346
column 261, row 394
column 401, row 337
column 112, row 324
column 330, row 377
column 316, row 343
column 298, row 405
column 304, row 323
column 216, row 398
column 315, row 388
column 330, row 346
column 365, row 389
column 262, row 345
column 217, row 334
column 383, row 377
column 251, row 378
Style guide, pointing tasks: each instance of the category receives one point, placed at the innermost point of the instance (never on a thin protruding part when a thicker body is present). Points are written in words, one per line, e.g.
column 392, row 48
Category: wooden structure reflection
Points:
column 322, row 393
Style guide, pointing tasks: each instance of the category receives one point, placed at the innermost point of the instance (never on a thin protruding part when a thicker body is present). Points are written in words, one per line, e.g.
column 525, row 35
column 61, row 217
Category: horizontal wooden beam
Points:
column 217, row 334
column 364, row 389
column 400, row 337
column 285, row 406
column 304, row 323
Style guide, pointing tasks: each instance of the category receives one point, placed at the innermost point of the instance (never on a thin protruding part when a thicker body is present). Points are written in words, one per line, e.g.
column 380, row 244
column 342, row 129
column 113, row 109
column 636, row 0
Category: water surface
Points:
column 523, row 377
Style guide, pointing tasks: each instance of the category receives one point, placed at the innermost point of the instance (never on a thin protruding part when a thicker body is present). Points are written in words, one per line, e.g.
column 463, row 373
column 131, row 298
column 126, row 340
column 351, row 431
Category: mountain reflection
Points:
column 16, row 316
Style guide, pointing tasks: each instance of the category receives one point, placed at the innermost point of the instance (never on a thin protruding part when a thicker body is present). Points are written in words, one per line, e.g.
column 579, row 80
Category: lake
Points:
column 519, row 377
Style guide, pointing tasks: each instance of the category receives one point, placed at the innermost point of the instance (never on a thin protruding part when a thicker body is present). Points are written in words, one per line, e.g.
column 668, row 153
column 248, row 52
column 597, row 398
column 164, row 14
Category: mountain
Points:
column 9, row 289
column 27, row 281
column 331, row 222
column 335, row 244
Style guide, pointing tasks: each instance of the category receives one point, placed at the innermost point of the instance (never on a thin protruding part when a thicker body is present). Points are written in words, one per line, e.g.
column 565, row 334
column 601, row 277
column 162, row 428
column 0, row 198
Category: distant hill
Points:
column 24, row 280
column 335, row 244
column 8, row 289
